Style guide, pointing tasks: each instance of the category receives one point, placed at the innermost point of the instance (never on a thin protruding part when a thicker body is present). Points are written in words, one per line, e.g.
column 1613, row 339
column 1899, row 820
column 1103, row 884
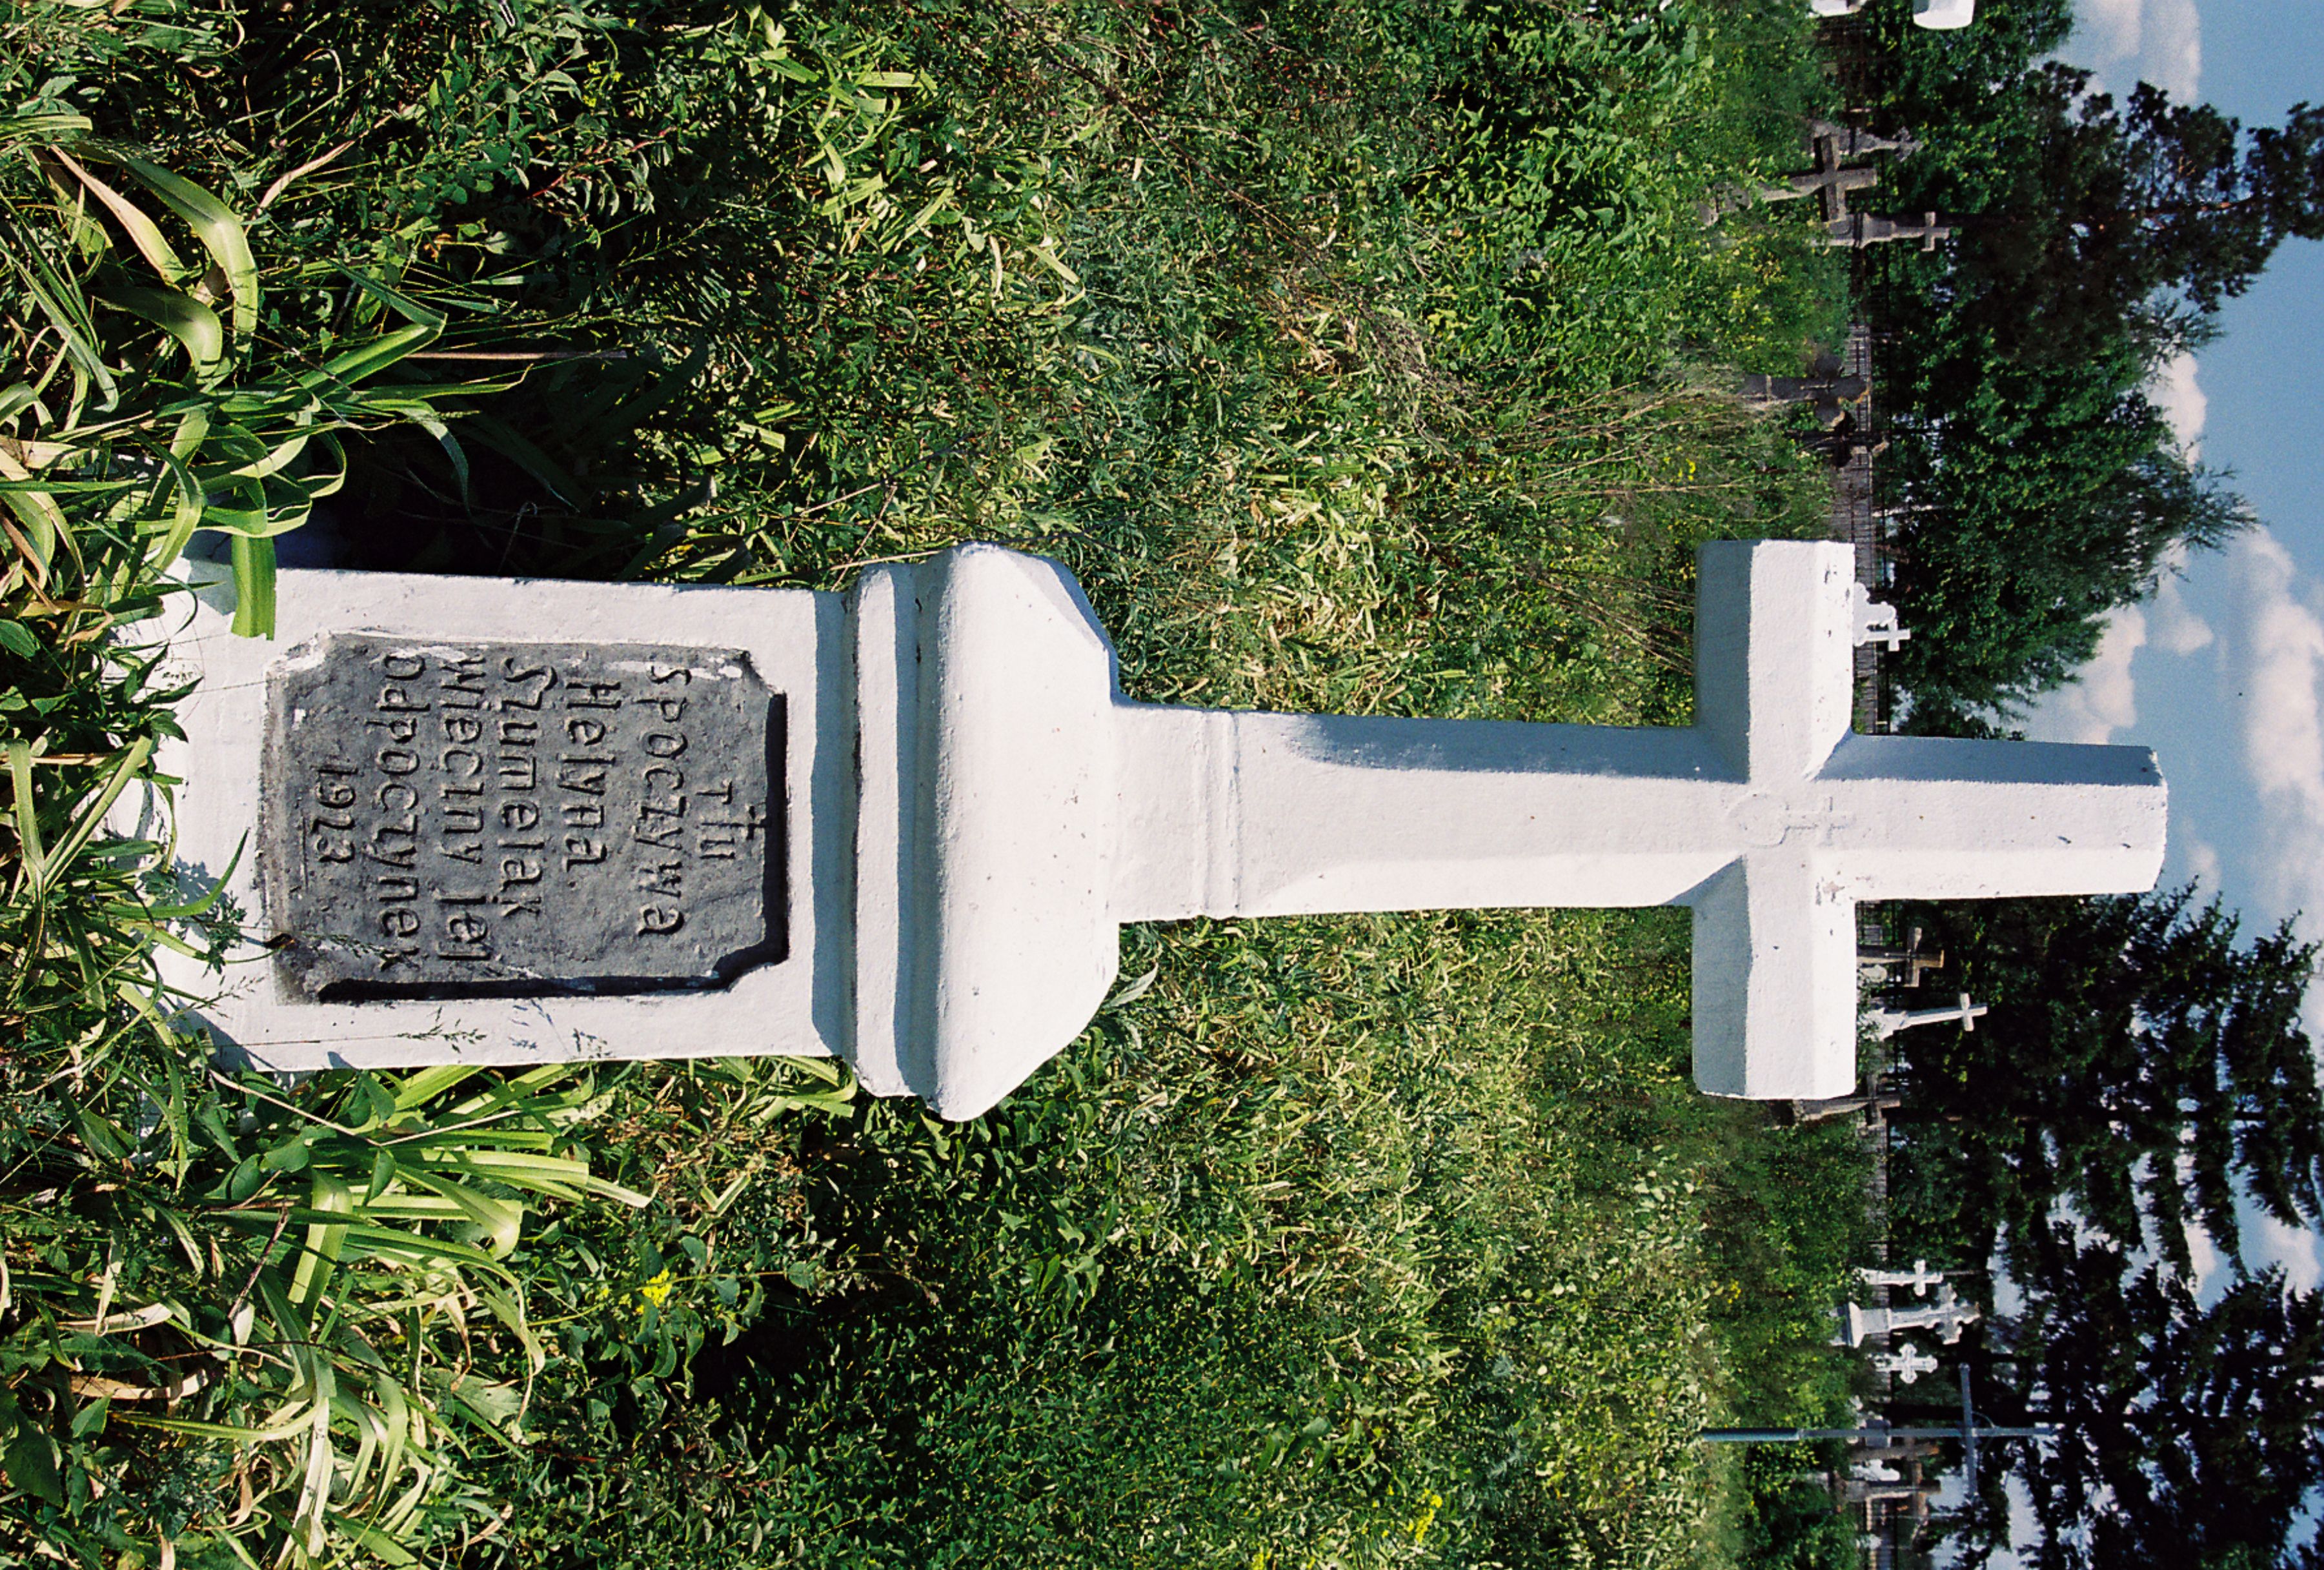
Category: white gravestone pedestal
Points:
column 1948, row 1316
column 950, row 810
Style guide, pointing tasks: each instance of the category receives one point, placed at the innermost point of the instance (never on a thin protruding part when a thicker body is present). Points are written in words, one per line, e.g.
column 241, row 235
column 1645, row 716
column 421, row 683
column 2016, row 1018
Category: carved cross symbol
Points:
column 754, row 820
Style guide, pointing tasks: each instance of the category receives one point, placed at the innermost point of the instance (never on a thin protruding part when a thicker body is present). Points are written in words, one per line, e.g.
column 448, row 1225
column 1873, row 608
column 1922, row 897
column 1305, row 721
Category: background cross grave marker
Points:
column 959, row 809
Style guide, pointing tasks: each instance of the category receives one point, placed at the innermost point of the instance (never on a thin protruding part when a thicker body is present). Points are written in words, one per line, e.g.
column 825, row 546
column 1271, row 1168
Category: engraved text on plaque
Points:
column 448, row 820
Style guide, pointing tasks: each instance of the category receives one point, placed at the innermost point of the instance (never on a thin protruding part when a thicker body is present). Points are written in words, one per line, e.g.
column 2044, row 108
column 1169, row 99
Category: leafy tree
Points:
column 2093, row 238
column 2137, row 1062
column 2085, row 220
column 2188, row 1434
column 2058, row 495
column 2141, row 1069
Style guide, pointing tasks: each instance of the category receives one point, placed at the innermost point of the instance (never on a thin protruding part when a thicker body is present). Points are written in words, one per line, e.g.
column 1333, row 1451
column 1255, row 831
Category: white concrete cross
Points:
column 1886, row 1022
column 1906, row 1364
column 1876, row 623
column 1920, row 1277
column 969, row 809
column 1769, row 817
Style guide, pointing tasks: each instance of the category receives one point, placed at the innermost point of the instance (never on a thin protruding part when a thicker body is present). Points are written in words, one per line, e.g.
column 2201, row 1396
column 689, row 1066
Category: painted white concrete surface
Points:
column 1943, row 13
column 796, row 642
column 973, row 809
column 1768, row 817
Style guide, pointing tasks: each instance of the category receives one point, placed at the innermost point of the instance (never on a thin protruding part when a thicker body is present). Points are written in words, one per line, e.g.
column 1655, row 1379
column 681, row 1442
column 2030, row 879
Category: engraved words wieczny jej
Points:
column 497, row 817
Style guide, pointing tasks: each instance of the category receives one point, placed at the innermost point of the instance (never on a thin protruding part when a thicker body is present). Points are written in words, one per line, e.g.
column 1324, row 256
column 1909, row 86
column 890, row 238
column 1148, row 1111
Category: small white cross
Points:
column 1886, row 1022
column 1907, row 1364
column 1920, row 1277
column 1876, row 623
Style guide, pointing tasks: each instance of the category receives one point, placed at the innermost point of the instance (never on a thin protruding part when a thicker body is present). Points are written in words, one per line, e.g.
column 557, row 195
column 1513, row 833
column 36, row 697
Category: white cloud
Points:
column 2214, row 1272
column 2268, row 1241
column 2173, row 624
column 2176, row 390
column 2201, row 859
column 2114, row 28
column 2130, row 40
column 2172, row 59
column 2102, row 698
column 2275, row 663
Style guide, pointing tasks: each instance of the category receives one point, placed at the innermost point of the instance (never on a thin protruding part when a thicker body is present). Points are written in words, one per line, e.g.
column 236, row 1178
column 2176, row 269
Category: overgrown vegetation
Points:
column 1360, row 358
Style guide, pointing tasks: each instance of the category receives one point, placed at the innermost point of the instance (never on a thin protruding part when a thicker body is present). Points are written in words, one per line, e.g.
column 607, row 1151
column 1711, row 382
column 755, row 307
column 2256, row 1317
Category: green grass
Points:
column 1358, row 357
column 1339, row 1217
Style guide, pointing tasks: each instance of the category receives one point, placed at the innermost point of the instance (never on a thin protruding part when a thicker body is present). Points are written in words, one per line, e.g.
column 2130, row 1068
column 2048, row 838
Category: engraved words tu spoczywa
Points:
column 457, row 819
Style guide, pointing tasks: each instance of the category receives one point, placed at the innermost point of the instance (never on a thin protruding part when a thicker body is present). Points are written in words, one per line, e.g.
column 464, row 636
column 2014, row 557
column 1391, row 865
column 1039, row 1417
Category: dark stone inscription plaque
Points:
column 504, row 818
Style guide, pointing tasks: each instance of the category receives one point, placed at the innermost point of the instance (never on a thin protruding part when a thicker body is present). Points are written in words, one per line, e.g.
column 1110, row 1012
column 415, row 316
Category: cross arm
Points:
column 1931, row 818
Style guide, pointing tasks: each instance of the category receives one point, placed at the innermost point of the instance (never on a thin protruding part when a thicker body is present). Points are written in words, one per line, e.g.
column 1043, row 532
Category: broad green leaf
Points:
column 194, row 325
column 28, row 851
column 144, row 233
column 278, row 457
column 185, row 511
column 35, row 506
column 100, row 1136
column 290, row 1155
column 18, row 640
column 46, row 126
column 290, row 1420
column 367, row 358
column 244, row 1180
column 31, row 1459
column 382, row 1547
column 221, row 232
column 328, row 1194
column 427, row 1083
column 498, row 1220
column 253, row 586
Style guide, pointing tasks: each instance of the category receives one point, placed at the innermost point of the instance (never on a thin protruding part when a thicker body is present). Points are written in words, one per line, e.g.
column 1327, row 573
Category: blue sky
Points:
column 2223, row 672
